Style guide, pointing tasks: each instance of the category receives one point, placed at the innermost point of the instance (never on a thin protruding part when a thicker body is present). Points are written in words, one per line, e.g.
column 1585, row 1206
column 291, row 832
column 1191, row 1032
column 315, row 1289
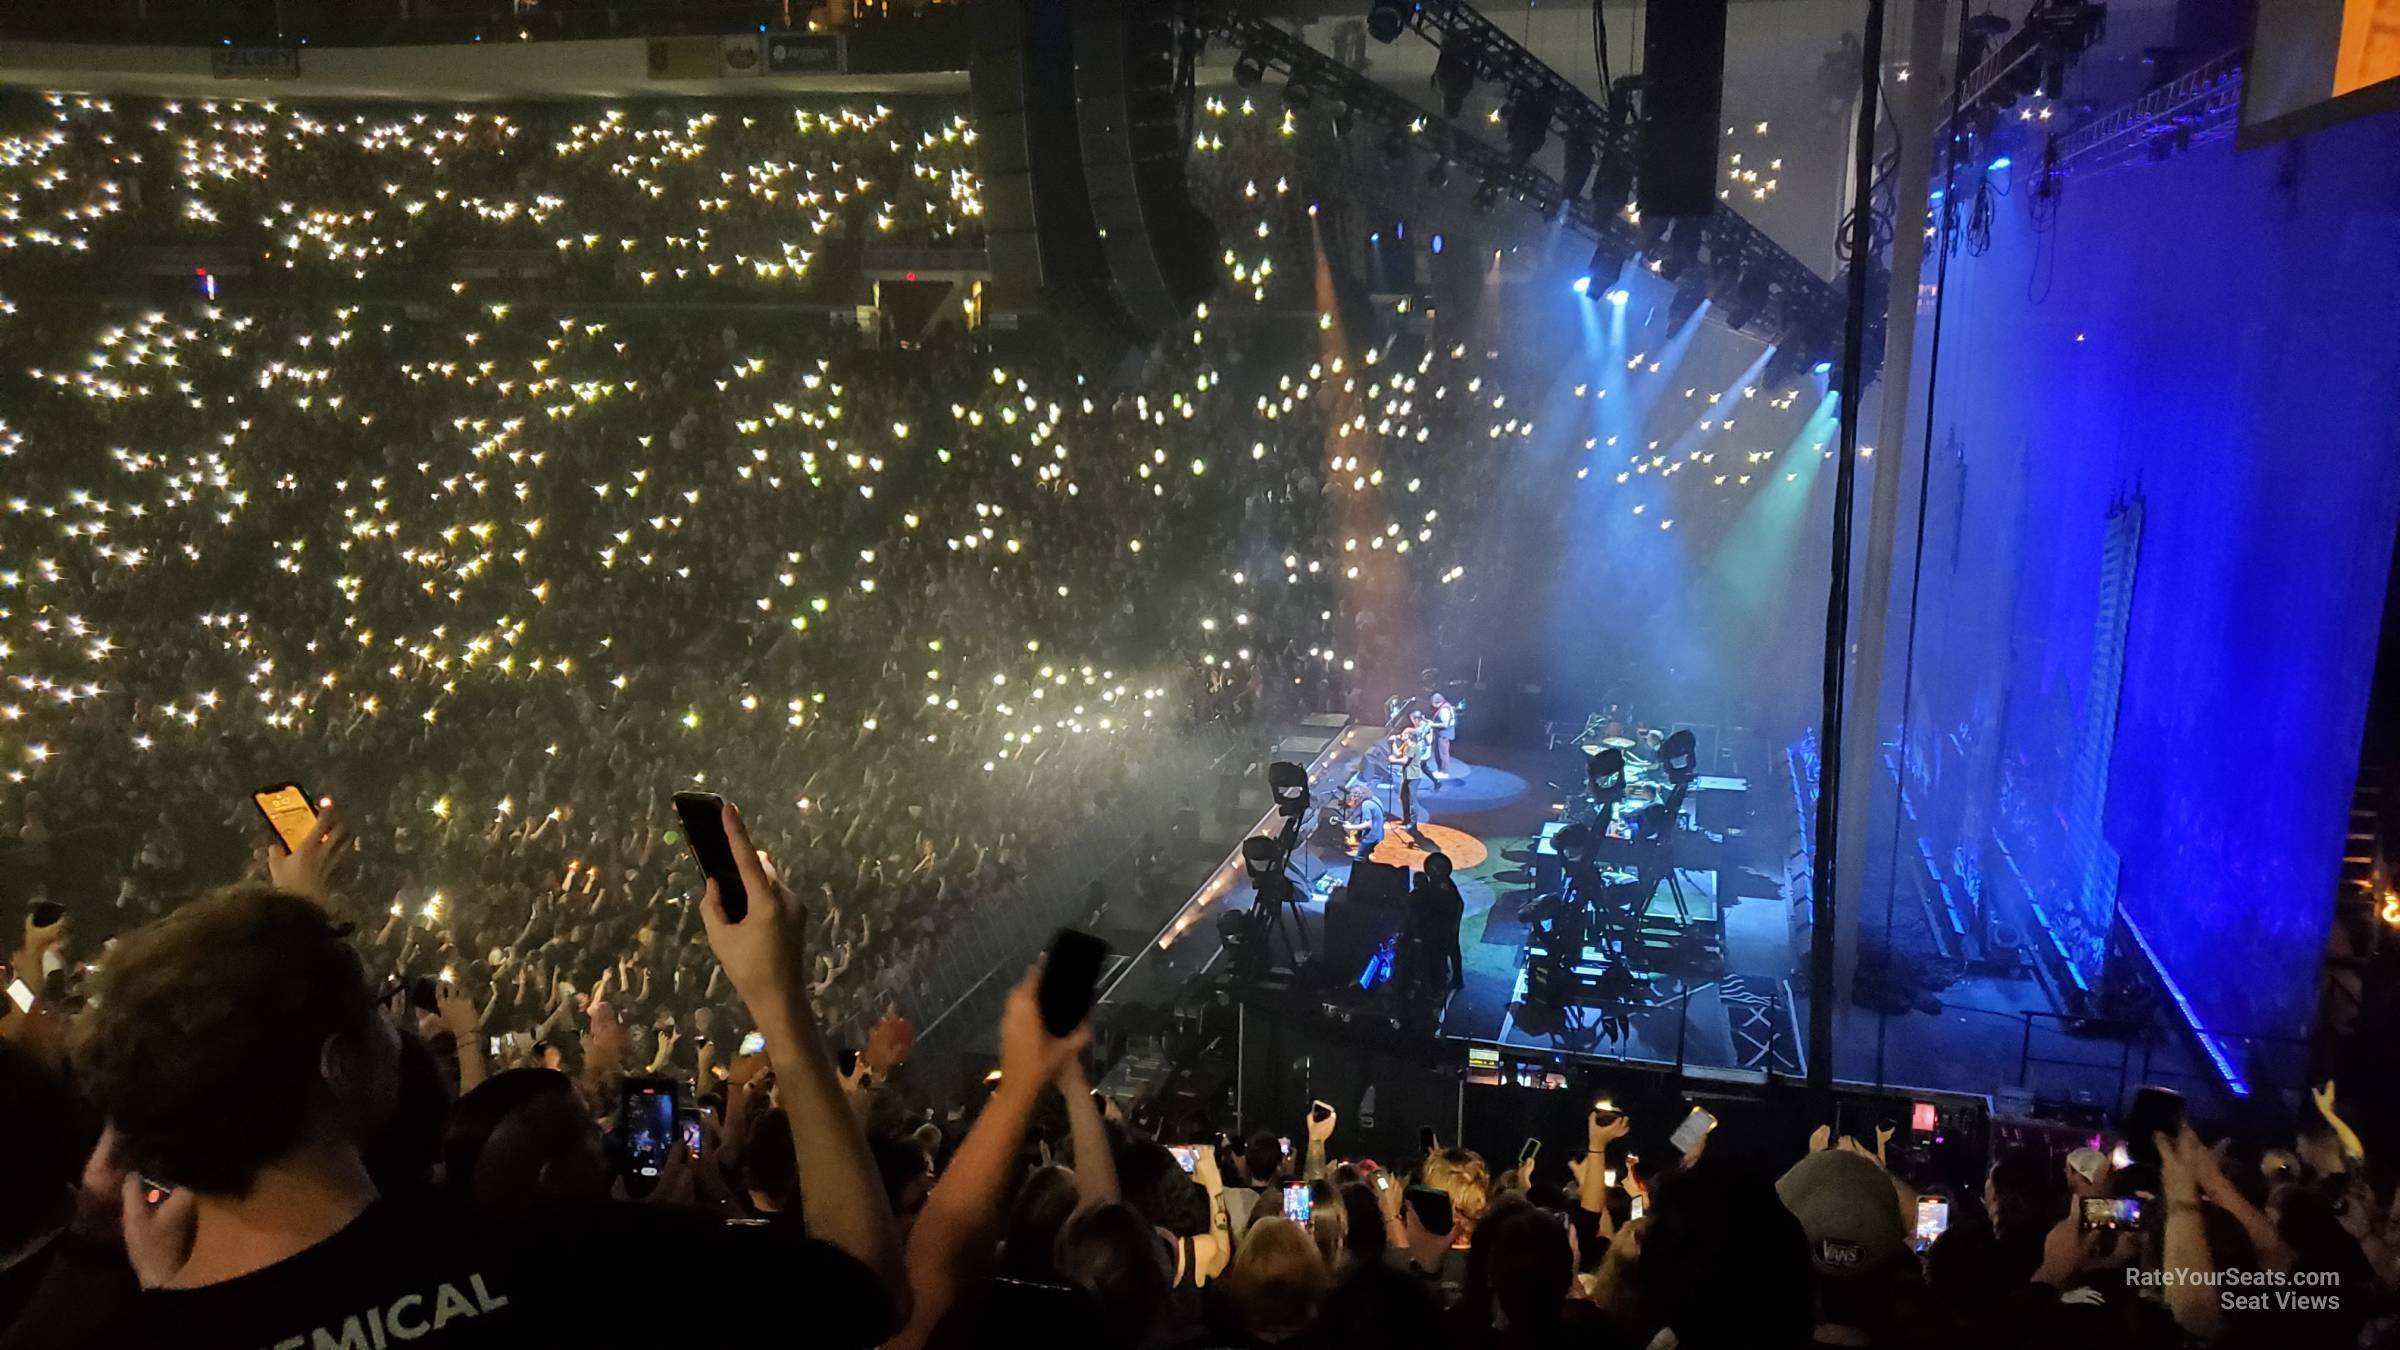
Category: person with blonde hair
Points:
column 1277, row 1281
column 1467, row 1179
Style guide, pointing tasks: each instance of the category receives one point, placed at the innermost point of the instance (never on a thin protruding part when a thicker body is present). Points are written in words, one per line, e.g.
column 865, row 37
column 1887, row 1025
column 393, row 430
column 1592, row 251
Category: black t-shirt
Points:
column 432, row 1277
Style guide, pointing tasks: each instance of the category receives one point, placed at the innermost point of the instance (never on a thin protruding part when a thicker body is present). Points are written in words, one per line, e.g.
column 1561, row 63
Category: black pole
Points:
column 1853, row 380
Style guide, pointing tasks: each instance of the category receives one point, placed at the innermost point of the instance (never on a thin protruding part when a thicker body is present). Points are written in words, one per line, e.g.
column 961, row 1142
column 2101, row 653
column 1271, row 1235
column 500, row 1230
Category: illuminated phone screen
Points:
column 287, row 809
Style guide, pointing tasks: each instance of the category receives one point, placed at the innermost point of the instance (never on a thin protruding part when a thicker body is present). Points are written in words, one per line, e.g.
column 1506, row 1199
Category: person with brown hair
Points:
column 1278, row 1279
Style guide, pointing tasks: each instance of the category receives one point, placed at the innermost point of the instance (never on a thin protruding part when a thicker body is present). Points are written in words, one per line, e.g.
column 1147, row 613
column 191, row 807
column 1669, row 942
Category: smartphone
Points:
column 2111, row 1214
column 45, row 913
column 1605, row 1112
column 687, row 1120
column 21, row 994
column 154, row 1192
column 1695, row 1127
column 1531, row 1151
column 290, row 812
column 1383, row 1180
column 1320, row 1112
column 2155, row 1111
column 1933, row 1219
column 1431, row 1206
column 646, row 1125
column 493, row 1048
column 703, row 816
column 421, row 993
column 1070, row 975
column 1187, row 1156
column 1296, row 1203
column 846, row 1060
column 1641, row 1206
column 754, row 1043
column 1286, row 1142
column 1425, row 1140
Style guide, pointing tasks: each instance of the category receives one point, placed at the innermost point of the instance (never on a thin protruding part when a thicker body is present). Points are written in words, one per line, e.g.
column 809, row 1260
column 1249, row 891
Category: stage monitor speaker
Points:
column 1683, row 96
column 1361, row 915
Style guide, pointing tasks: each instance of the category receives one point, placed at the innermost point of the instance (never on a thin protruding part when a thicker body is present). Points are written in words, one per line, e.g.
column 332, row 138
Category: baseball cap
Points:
column 1848, row 1209
column 2089, row 1163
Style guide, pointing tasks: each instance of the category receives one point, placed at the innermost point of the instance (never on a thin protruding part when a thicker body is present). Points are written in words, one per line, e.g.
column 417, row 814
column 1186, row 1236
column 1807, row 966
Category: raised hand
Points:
column 762, row 955
column 1029, row 1054
column 1321, row 1120
column 455, row 1010
column 309, row 870
column 890, row 1044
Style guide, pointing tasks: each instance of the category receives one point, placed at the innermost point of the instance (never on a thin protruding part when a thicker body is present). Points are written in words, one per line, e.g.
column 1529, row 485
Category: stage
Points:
column 1734, row 1008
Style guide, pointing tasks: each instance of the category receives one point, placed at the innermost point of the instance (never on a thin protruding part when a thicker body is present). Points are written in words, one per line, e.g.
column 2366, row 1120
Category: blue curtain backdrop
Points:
column 2217, row 335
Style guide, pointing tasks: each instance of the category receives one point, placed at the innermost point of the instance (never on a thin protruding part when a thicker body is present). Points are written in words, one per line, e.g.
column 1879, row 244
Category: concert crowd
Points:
column 505, row 472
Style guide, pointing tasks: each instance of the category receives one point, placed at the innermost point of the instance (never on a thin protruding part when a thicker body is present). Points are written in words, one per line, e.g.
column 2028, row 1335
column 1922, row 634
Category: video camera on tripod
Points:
column 1267, row 860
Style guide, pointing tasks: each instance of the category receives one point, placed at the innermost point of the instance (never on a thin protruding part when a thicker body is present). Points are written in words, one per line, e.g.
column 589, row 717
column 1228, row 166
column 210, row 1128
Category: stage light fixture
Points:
column 1529, row 122
column 1261, row 857
column 1680, row 755
column 1690, row 293
column 1297, row 94
column 1682, row 250
column 1581, row 285
column 1581, row 159
column 1344, row 118
column 1608, row 257
column 1604, row 773
column 1385, row 19
column 1784, row 367
column 1287, row 783
column 1454, row 77
column 1437, row 174
column 1248, row 70
column 1612, row 182
column 1435, row 243
column 1487, row 195
column 1751, row 295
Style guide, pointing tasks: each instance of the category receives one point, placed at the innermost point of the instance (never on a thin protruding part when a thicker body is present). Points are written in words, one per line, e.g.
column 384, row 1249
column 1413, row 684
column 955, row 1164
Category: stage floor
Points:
column 1978, row 1042
column 1488, row 821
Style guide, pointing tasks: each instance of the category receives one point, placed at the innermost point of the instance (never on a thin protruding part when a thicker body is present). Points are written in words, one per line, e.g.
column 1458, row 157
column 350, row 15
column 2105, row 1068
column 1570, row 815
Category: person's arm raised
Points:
column 846, row 1203
column 1320, row 1129
column 1095, row 1162
column 457, row 1012
column 965, row 1203
column 2184, row 1257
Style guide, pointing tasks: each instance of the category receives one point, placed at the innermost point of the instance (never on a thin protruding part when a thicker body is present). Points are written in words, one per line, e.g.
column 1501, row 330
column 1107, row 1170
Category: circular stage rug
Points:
column 1478, row 787
column 1407, row 848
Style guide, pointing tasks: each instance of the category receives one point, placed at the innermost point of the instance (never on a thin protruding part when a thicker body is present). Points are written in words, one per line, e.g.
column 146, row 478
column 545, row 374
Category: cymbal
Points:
column 1617, row 742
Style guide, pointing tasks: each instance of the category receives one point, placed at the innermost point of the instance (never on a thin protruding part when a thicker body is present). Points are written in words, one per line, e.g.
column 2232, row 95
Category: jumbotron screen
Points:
column 2315, row 62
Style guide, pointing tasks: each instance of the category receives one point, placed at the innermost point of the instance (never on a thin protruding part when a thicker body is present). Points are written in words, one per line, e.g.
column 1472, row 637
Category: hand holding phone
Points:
column 1298, row 1204
column 703, row 817
column 1933, row 1219
column 1070, row 976
column 1692, row 1131
column 1187, row 1156
column 290, row 812
column 2111, row 1214
column 646, row 1128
